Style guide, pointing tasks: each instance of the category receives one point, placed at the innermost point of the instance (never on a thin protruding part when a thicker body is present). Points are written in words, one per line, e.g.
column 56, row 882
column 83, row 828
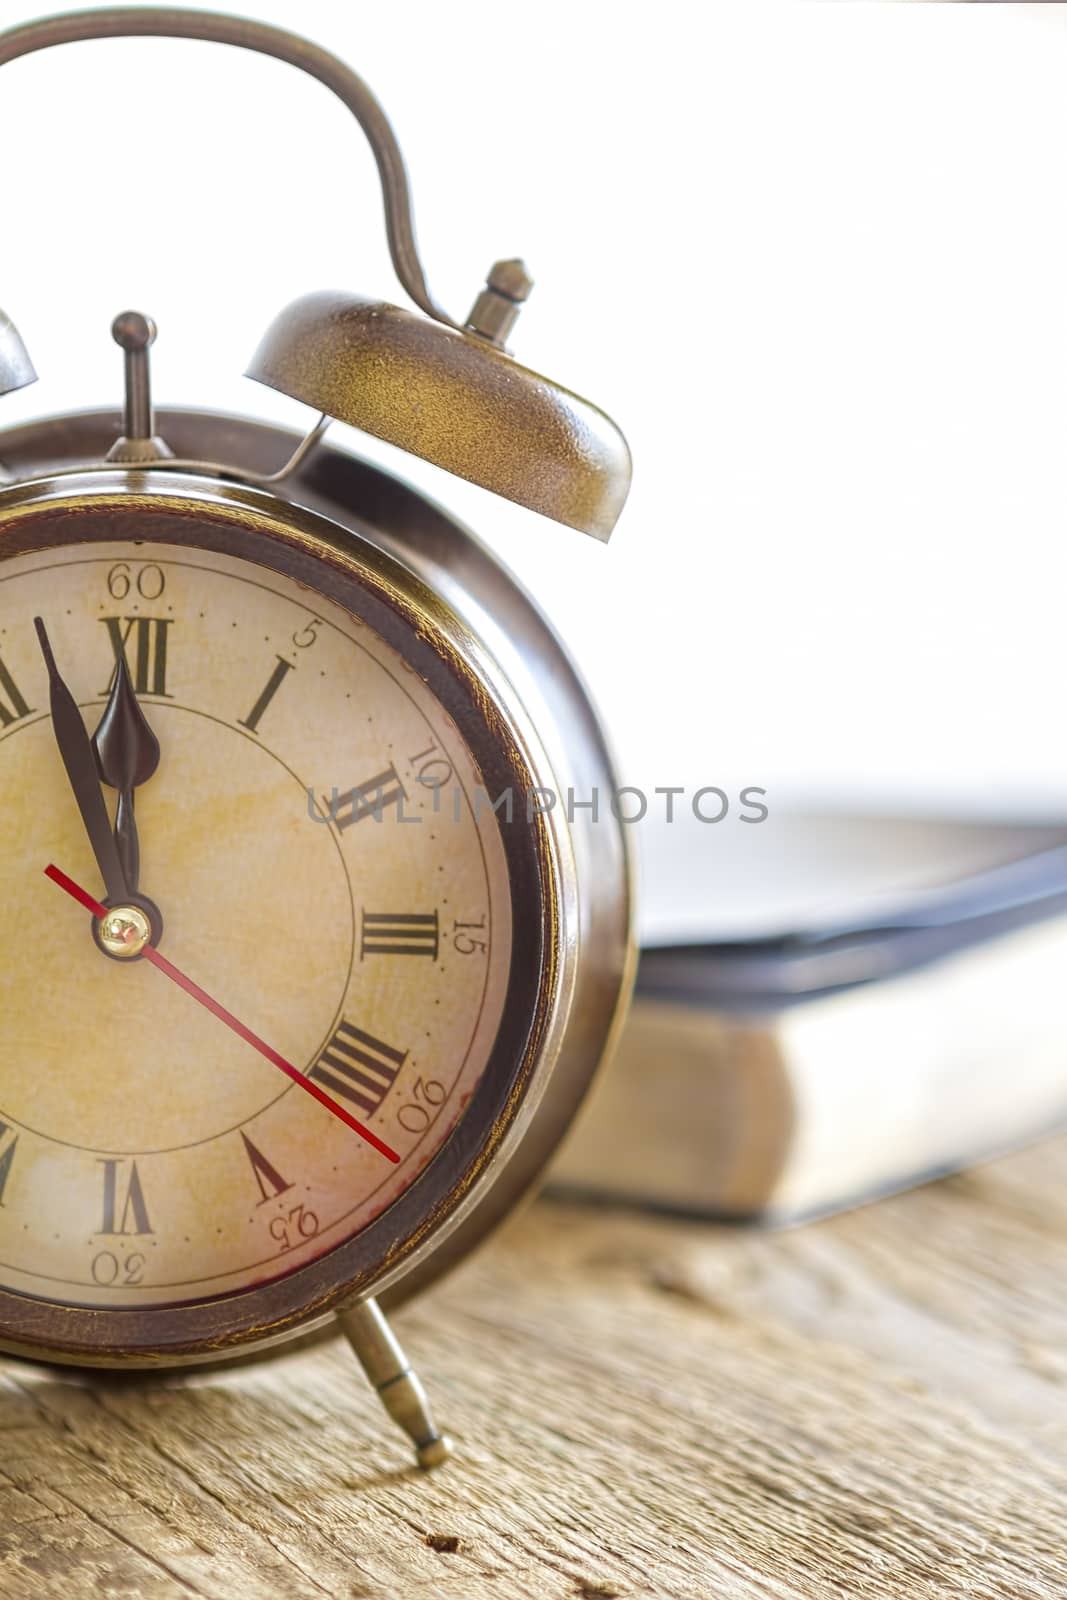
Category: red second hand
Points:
column 85, row 899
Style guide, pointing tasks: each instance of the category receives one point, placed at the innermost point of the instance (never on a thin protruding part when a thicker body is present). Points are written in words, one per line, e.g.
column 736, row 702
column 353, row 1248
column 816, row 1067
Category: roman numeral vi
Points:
column 132, row 1217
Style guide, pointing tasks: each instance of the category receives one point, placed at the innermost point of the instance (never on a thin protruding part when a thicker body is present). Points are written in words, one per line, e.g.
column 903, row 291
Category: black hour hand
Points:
column 127, row 754
column 78, row 758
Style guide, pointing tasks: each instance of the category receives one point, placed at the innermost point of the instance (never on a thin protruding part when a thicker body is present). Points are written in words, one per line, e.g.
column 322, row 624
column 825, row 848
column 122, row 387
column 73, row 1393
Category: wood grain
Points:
column 875, row 1406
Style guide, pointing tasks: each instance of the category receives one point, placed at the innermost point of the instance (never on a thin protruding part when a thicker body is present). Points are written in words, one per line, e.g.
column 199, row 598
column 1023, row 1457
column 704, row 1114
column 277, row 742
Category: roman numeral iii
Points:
column 399, row 933
column 357, row 1067
column 144, row 641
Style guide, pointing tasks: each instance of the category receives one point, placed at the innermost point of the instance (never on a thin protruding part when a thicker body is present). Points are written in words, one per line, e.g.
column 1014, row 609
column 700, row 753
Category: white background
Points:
column 812, row 257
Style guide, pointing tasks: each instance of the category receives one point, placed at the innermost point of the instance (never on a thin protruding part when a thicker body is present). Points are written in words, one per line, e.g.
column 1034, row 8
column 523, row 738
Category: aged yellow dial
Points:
column 315, row 840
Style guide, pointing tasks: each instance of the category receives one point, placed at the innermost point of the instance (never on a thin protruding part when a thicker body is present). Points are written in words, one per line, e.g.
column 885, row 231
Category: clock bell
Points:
column 447, row 391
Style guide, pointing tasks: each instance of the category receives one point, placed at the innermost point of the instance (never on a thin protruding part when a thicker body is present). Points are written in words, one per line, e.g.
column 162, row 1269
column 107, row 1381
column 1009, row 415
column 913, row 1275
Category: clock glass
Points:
column 312, row 834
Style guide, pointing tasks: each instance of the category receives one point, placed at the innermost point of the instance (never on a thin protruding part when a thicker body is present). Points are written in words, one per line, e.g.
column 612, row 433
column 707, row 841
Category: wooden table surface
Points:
column 873, row 1406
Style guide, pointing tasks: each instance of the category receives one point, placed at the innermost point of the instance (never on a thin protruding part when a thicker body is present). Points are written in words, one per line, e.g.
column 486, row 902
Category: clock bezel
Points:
column 337, row 562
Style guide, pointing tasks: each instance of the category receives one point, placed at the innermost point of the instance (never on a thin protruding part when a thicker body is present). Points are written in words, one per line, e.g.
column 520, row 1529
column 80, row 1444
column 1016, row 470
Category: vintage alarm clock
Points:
column 310, row 949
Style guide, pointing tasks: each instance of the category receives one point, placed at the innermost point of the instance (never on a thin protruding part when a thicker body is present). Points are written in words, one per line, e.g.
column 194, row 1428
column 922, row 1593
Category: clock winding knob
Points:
column 135, row 334
column 496, row 310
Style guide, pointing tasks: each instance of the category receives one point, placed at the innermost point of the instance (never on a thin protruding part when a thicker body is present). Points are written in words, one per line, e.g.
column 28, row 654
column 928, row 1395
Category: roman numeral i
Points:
column 273, row 684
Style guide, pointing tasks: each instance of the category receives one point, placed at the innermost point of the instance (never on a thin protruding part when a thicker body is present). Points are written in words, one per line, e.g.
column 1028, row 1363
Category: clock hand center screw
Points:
column 124, row 932
column 135, row 333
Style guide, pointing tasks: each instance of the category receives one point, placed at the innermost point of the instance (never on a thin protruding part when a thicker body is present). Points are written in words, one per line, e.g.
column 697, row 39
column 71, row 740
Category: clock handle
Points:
column 173, row 23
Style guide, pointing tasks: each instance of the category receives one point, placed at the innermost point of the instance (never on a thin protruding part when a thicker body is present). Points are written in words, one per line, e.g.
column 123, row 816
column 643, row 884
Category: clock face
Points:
column 315, row 840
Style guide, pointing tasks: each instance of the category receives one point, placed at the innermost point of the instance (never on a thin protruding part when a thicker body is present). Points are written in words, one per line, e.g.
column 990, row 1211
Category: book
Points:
column 784, row 1075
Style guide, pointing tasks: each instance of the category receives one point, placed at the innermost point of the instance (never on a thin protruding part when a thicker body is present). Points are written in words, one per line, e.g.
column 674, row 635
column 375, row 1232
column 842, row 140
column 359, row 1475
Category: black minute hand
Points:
column 76, row 749
column 127, row 754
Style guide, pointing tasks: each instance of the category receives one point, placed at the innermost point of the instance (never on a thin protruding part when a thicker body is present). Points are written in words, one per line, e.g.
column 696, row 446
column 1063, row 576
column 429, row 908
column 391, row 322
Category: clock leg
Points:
column 399, row 1387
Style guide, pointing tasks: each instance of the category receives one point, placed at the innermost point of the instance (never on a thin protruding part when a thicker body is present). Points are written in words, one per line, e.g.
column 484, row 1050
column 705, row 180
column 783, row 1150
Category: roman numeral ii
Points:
column 369, row 799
